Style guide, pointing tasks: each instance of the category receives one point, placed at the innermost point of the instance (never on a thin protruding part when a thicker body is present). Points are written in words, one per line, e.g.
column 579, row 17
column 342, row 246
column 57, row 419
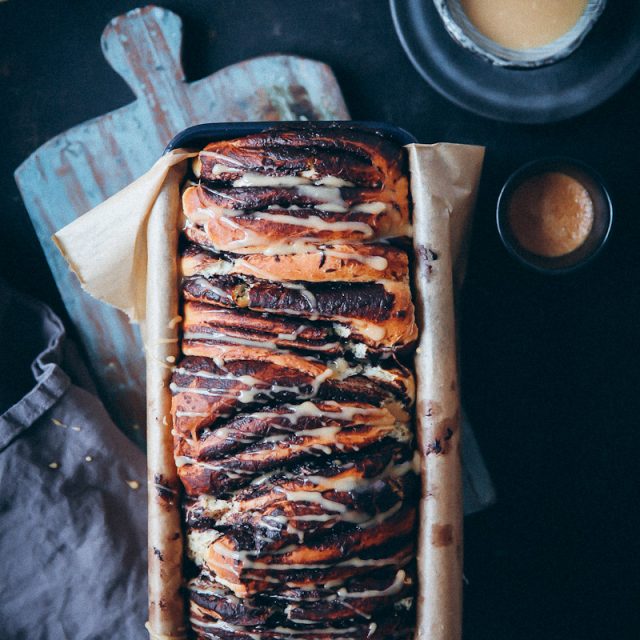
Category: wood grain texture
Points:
column 80, row 168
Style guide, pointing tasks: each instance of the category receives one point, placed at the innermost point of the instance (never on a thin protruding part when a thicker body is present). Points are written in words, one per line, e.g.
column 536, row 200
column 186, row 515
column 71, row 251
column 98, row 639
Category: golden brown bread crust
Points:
column 253, row 444
column 295, row 605
column 286, row 522
column 245, row 582
column 345, row 423
column 338, row 217
column 205, row 390
column 291, row 412
column 336, row 379
column 378, row 314
column 205, row 197
column 335, row 558
column 384, row 571
column 333, row 263
column 313, row 151
column 278, row 521
column 205, row 323
column 368, row 483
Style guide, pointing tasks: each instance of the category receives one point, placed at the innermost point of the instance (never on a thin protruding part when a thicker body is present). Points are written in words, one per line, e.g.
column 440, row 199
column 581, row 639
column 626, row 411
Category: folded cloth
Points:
column 72, row 493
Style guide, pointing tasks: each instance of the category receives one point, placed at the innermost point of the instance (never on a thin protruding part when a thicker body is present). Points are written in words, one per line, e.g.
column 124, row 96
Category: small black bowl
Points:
column 602, row 216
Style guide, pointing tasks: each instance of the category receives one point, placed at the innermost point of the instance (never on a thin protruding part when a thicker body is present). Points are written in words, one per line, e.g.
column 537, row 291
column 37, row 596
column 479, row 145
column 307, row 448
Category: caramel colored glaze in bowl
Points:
column 554, row 215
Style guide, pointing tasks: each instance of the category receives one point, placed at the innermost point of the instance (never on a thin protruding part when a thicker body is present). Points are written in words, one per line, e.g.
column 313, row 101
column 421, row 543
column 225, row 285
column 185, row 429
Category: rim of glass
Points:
column 464, row 32
column 507, row 237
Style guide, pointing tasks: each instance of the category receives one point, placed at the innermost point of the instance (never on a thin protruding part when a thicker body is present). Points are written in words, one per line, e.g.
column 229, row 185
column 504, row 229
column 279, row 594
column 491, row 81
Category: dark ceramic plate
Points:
column 606, row 60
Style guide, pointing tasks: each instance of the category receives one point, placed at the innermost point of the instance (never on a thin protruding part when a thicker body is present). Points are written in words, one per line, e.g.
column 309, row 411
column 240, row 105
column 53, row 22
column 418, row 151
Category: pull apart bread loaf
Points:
column 292, row 403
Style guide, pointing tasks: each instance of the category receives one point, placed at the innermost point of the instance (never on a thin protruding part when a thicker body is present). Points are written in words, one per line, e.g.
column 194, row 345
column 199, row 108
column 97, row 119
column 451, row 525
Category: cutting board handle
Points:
column 143, row 46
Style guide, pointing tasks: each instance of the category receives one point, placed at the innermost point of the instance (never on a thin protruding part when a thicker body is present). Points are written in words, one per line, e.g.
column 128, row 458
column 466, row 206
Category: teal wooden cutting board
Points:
column 80, row 168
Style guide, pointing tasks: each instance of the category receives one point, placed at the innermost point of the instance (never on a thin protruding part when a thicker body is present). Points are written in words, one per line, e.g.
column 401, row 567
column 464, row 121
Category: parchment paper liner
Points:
column 124, row 252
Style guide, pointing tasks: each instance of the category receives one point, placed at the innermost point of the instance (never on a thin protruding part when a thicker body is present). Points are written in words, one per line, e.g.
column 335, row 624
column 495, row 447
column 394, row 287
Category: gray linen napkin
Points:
column 72, row 493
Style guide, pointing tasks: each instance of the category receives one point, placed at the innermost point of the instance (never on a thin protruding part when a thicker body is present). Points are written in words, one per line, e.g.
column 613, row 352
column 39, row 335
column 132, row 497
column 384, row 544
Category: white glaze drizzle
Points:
column 316, row 223
column 227, row 339
column 379, row 263
column 251, row 179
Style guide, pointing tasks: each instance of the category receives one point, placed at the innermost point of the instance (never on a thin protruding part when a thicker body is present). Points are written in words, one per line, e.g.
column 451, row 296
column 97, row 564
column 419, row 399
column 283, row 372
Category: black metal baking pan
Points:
column 201, row 134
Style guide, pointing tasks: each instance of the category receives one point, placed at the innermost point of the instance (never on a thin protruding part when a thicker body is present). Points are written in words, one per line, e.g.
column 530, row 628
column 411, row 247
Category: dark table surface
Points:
column 549, row 365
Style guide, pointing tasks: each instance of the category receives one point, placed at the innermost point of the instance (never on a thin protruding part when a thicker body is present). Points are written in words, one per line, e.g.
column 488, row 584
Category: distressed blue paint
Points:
column 83, row 166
